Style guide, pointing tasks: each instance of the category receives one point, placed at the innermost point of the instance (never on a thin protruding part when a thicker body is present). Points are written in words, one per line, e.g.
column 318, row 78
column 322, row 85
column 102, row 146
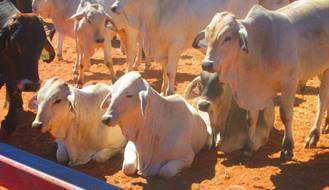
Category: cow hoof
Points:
column 325, row 129
column 9, row 126
column 312, row 140
column 286, row 155
column 59, row 57
column 245, row 156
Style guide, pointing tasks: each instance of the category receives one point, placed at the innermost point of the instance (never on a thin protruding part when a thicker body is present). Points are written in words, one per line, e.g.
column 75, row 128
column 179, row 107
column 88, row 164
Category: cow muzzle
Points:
column 37, row 124
column 107, row 119
column 115, row 8
column 28, row 86
column 204, row 105
column 208, row 65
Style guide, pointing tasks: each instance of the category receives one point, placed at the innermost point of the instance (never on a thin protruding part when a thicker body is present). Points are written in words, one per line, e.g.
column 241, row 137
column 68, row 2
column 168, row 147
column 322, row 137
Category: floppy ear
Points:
column 243, row 35
column 143, row 98
column 109, row 23
column 200, row 41
column 78, row 16
column 193, row 89
column 106, row 102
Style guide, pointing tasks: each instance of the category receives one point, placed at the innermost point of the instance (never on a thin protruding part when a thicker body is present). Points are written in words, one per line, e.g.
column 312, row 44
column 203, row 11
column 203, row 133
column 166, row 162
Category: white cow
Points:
column 164, row 133
column 169, row 27
column 270, row 51
column 60, row 11
column 73, row 118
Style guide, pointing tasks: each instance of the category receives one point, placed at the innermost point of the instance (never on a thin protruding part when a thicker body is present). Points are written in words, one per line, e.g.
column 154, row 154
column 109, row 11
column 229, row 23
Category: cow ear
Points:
column 78, row 16
column 243, row 35
column 106, row 102
column 71, row 100
column 200, row 41
column 143, row 99
column 193, row 89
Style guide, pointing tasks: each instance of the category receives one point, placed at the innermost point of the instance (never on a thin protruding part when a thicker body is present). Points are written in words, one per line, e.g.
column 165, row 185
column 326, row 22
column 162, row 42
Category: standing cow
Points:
column 268, row 52
column 22, row 39
column 164, row 133
column 73, row 117
column 169, row 27
column 227, row 120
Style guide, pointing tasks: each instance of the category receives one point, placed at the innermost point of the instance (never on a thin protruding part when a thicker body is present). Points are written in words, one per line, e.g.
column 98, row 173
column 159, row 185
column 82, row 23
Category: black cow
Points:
column 24, row 6
column 22, row 39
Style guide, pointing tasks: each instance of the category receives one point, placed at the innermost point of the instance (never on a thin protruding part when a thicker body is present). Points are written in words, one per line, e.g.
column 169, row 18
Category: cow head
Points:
column 127, row 101
column 55, row 108
column 93, row 17
column 227, row 39
column 42, row 7
column 119, row 5
column 22, row 41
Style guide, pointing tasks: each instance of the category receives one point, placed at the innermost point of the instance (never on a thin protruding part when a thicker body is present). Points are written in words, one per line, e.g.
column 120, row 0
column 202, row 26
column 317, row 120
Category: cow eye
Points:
column 57, row 101
column 129, row 96
column 227, row 38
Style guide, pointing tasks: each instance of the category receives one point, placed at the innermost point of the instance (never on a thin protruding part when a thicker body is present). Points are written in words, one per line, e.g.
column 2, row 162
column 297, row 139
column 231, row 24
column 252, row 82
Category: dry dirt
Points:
column 211, row 169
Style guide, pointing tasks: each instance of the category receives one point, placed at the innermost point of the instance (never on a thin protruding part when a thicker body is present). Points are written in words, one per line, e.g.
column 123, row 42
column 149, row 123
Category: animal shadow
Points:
column 203, row 164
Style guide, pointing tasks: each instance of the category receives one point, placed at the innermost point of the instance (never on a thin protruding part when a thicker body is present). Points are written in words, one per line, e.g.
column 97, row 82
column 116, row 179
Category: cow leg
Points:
column 173, row 167
column 60, row 46
column 105, row 154
column 85, row 58
column 165, row 79
column 129, row 166
column 108, row 56
column 173, row 57
column 325, row 129
column 247, row 149
column 131, row 48
column 61, row 153
column 10, row 121
column 288, row 91
column 314, row 135
column 78, row 59
column 19, row 103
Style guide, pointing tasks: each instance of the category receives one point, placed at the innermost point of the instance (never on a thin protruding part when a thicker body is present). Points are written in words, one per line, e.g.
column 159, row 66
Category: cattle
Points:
column 73, row 118
column 169, row 27
column 164, row 133
column 268, row 52
column 60, row 11
column 24, row 6
column 93, row 30
column 22, row 39
column 227, row 120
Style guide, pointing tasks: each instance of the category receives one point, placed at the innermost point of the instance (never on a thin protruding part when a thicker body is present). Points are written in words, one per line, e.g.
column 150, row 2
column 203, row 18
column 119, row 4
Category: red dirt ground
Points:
column 211, row 169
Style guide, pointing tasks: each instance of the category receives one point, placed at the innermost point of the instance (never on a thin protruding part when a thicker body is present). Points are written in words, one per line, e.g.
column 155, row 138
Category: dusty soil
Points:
column 211, row 169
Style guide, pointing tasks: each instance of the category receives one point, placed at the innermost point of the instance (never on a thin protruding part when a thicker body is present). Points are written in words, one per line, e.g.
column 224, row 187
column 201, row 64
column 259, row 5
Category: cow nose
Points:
column 207, row 65
column 31, row 87
column 106, row 119
column 114, row 8
column 204, row 105
column 100, row 40
column 37, row 125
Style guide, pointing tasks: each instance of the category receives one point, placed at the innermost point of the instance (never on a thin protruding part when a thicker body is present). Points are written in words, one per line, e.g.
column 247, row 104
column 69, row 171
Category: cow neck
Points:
column 148, row 136
column 82, row 122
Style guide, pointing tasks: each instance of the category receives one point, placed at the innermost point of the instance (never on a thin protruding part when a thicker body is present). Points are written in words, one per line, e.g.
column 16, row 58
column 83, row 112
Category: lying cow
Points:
column 22, row 39
column 93, row 30
column 164, row 133
column 268, row 52
column 73, row 117
column 227, row 119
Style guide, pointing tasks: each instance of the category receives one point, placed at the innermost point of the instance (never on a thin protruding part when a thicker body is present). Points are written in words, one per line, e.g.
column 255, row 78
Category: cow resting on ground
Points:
column 270, row 51
column 73, row 117
column 227, row 120
column 164, row 133
column 22, row 39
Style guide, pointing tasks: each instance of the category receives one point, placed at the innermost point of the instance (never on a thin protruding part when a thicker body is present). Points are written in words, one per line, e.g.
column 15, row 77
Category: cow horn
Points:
column 243, row 35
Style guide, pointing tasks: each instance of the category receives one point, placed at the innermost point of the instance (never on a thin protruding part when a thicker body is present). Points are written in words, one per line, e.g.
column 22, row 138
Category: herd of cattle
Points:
column 251, row 54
